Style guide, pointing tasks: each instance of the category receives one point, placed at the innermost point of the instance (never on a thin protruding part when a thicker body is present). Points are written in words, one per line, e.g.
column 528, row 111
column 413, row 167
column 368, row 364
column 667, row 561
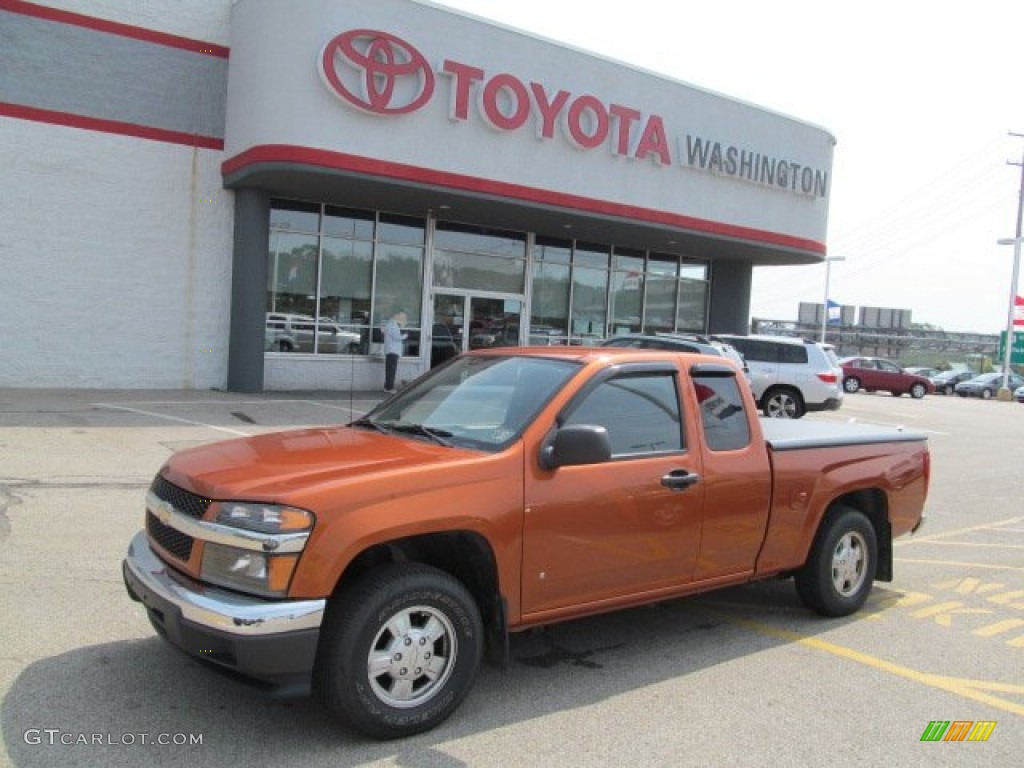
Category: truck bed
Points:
column 796, row 435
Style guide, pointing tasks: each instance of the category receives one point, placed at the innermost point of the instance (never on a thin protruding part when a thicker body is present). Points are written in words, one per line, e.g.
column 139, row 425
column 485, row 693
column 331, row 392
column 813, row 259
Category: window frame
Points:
column 632, row 370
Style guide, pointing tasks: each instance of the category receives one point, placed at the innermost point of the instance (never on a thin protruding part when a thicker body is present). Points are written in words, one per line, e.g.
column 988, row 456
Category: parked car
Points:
column 703, row 345
column 987, row 384
column 790, row 376
column 918, row 370
column 876, row 373
column 945, row 381
column 1018, row 395
column 296, row 333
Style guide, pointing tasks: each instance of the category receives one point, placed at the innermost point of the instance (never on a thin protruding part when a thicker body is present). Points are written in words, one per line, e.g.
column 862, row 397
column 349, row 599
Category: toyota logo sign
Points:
column 376, row 72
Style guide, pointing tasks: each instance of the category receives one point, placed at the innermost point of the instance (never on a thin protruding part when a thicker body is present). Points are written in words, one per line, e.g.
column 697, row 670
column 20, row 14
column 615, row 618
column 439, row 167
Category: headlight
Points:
column 246, row 570
column 265, row 518
column 269, row 541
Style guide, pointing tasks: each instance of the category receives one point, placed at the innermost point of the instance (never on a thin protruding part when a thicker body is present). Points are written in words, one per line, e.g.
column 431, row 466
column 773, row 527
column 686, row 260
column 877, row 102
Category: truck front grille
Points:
column 170, row 539
column 183, row 501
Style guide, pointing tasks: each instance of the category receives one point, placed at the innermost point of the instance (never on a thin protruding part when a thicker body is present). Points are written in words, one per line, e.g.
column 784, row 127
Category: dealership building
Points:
column 214, row 194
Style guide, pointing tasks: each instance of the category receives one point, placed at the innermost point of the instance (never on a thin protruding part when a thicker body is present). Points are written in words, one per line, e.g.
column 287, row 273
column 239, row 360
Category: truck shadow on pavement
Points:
column 113, row 704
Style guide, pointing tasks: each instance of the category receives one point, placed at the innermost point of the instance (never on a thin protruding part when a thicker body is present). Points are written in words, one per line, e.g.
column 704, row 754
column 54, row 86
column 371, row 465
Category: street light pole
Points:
column 824, row 306
column 1004, row 391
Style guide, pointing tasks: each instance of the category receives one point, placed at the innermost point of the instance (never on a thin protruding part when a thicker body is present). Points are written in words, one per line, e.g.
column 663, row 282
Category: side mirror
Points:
column 574, row 445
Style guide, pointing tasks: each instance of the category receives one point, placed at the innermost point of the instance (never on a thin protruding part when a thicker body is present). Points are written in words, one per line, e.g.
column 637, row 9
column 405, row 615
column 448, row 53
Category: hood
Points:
column 279, row 466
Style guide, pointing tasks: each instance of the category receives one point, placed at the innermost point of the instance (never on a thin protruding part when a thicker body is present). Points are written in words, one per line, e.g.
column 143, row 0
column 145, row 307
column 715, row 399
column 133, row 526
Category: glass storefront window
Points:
column 692, row 309
column 552, row 283
column 329, row 283
column 346, row 278
column 627, row 292
column 347, row 223
column 293, row 216
column 590, row 255
column 694, row 270
column 335, row 275
column 292, row 272
column 450, row 236
column 475, row 258
column 589, row 304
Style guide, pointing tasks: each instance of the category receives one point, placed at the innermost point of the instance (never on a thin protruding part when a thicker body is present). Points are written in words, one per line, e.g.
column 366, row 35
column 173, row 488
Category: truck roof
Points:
column 585, row 355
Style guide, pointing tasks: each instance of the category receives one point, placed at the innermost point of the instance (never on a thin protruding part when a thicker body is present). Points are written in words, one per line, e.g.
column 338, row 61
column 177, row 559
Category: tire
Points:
column 399, row 650
column 948, row 389
column 917, row 391
column 284, row 346
column 782, row 403
column 851, row 385
column 896, row 394
column 839, row 572
column 986, row 394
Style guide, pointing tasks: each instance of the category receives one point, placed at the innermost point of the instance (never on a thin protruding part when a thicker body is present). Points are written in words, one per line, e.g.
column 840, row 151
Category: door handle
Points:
column 680, row 479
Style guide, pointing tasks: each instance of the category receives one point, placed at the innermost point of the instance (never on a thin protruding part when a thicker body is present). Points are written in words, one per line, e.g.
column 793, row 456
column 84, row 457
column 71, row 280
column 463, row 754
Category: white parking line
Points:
column 236, row 432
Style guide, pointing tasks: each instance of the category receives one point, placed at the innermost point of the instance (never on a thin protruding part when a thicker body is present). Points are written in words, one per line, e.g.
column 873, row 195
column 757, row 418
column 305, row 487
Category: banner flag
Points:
column 1018, row 311
column 834, row 312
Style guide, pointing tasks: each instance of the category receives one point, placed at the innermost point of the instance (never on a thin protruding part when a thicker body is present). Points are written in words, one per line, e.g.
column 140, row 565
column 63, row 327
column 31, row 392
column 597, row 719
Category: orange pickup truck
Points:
column 377, row 563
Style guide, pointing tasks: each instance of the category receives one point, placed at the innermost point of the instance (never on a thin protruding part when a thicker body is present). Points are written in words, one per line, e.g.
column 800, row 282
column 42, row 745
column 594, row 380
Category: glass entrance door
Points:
column 473, row 321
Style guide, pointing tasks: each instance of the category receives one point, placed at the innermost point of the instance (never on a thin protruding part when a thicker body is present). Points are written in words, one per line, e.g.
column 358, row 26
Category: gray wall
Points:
column 730, row 296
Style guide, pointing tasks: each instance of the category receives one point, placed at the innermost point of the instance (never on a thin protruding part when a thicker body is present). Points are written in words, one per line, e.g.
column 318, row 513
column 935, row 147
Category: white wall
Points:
column 116, row 261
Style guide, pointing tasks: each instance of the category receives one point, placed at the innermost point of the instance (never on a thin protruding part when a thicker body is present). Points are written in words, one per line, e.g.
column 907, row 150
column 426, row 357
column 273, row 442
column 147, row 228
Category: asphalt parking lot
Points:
column 741, row 677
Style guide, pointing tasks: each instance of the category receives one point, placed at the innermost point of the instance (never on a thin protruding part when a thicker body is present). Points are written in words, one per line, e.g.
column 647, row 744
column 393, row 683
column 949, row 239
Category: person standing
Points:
column 394, row 344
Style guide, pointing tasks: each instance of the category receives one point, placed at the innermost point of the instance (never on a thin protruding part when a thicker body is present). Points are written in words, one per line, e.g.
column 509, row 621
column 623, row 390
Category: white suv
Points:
column 791, row 376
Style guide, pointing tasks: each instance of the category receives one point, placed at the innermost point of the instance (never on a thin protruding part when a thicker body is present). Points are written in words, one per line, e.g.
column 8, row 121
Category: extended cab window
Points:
column 722, row 412
column 640, row 412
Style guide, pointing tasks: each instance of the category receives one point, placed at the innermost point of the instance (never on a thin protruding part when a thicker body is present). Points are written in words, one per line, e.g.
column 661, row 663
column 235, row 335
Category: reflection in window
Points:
column 476, row 258
column 549, row 317
column 691, row 312
column 627, row 292
column 328, row 280
column 722, row 413
column 640, row 411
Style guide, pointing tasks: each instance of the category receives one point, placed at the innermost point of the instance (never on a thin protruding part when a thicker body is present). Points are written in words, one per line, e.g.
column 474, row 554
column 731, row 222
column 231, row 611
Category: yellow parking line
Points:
column 945, row 534
column 976, row 690
column 961, row 565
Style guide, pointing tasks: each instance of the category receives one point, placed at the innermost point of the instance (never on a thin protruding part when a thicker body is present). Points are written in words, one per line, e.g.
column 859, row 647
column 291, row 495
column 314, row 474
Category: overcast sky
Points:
column 921, row 97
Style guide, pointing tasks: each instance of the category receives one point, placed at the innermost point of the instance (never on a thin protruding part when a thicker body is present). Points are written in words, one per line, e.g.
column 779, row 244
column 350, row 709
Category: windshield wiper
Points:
column 437, row 435
column 365, row 422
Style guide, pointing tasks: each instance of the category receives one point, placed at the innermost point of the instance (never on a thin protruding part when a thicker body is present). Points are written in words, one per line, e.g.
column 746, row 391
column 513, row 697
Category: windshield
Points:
column 482, row 402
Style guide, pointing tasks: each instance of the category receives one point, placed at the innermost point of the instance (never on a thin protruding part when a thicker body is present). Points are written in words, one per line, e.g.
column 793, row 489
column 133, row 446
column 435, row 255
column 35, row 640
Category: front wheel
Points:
column 918, row 391
column 782, row 404
column 839, row 572
column 986, row 394
column 399, row 650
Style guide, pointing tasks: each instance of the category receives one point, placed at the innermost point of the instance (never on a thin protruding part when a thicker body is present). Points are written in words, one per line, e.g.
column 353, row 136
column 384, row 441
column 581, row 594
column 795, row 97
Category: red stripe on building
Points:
column 319, row 158
column 109, row 126
column 114, row 28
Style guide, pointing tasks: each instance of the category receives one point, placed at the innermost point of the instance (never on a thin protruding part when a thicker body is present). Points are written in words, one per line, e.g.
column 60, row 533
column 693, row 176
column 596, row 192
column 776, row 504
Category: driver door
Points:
column 597, row 532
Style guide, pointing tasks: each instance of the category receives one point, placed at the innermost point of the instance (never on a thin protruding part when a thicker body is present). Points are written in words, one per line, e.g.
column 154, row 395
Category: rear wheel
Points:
column 782, row 403
column 839, row 572
column 399, row 650
column 851, row 384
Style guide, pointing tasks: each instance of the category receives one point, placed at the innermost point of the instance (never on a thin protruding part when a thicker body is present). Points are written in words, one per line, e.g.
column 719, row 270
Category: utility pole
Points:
column 1004, row 391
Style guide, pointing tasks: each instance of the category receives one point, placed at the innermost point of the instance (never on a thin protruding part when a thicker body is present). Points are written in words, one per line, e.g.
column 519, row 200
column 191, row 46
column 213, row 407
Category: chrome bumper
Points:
column 147, row 577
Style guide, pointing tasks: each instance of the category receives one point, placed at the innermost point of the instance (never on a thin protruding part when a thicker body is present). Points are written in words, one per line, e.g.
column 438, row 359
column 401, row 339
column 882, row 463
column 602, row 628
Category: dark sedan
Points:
column 986, row 385
column 874, row 373
column 946, row 381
